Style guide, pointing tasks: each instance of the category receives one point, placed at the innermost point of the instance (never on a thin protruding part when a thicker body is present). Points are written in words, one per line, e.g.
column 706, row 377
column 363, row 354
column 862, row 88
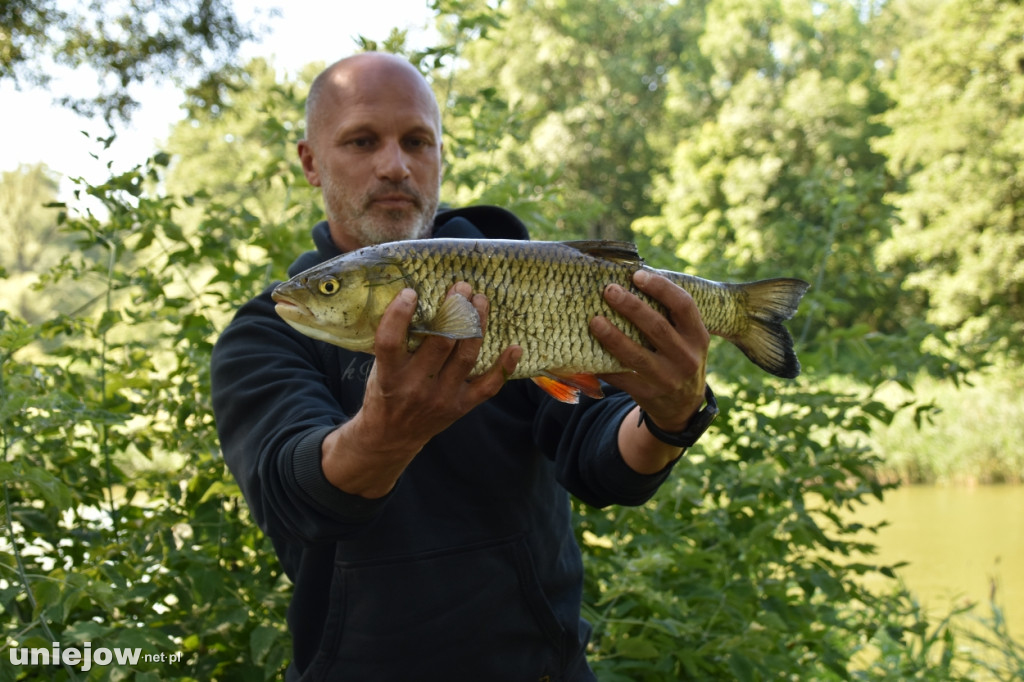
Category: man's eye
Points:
column 361, row 142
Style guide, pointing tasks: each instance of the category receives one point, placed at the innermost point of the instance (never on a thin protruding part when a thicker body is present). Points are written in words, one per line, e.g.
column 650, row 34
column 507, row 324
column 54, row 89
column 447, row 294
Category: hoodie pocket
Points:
column 475, row 612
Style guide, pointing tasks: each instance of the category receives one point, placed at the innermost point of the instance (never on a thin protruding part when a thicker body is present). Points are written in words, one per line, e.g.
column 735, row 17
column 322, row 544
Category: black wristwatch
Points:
column 695, row 428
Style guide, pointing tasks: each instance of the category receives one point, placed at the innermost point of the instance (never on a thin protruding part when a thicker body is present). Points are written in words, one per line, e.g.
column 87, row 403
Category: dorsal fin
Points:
column 618, row 252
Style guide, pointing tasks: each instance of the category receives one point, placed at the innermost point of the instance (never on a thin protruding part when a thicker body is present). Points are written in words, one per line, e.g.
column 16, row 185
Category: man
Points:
column 422, row 516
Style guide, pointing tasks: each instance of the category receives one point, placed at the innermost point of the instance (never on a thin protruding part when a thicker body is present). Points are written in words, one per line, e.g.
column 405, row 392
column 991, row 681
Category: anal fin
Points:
column 567, row 387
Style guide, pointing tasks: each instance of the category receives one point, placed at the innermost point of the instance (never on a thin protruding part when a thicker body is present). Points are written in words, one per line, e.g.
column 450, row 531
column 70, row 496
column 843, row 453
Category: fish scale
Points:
column 533, row 291
column 542, row 296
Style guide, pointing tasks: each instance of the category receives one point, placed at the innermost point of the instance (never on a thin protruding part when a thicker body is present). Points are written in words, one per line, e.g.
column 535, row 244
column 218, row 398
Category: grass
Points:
column 976, row 436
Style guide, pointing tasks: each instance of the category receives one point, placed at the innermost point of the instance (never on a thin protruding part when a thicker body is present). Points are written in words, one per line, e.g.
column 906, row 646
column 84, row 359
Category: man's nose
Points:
column 392, row 162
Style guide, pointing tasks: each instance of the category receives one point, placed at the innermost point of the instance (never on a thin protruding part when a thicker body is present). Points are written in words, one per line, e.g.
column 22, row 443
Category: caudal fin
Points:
column 768, row 344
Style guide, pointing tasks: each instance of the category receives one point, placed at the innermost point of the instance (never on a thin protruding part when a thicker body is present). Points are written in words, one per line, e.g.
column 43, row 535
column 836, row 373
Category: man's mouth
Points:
column 394, row 201
column 395, row 198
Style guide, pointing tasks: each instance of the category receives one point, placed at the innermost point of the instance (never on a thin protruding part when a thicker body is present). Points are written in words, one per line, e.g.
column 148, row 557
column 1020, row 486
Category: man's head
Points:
column 373, row 146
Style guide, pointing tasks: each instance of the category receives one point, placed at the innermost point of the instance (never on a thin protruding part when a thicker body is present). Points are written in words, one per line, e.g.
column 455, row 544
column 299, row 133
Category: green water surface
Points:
column 963, row 544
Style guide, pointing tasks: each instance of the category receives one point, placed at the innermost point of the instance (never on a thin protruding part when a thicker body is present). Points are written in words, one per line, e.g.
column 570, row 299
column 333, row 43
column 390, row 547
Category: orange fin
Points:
column 567, row 387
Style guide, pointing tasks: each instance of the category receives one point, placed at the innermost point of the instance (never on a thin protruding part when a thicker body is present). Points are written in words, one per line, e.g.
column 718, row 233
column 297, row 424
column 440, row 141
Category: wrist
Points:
column 694, row 428
column 358, row 462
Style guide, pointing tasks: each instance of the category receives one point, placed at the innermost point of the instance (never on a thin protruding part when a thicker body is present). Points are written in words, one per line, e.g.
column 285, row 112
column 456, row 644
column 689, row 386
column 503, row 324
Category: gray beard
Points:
column 376, row 228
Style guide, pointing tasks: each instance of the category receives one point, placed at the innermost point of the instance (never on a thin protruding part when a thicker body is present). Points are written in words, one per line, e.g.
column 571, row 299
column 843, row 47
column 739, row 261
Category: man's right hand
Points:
column 409, row 398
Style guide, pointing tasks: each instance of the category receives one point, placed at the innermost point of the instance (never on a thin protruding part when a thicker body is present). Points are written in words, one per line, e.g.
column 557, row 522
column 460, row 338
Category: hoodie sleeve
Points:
column 273, row 408
column 583, row 442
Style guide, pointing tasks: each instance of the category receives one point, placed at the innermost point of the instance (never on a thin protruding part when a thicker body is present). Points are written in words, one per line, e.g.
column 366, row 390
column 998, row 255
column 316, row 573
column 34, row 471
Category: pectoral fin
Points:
column 455, row 319
column 567, row 387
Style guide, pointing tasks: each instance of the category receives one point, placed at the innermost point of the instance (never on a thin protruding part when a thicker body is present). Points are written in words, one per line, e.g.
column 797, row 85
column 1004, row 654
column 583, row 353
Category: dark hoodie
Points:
column 468, row 568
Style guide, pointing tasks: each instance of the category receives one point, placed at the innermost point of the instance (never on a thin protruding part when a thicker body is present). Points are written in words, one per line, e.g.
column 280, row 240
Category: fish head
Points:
column 340, row 301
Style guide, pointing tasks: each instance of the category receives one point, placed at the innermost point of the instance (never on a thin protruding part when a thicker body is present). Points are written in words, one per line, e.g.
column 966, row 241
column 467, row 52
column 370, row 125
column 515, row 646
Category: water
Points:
column 964, row 545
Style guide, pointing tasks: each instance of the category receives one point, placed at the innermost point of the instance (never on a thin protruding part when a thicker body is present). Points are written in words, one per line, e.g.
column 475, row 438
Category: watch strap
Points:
column 693, row 430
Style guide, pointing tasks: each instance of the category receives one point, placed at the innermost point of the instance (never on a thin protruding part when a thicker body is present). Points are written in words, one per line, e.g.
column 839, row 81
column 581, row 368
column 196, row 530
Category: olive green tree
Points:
column 584, row 84
column 956, row 147
column 121, row 45
column 772, row 171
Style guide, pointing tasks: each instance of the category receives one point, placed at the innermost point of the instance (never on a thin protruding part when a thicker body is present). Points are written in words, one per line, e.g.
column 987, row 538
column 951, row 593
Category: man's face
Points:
column 375, row 152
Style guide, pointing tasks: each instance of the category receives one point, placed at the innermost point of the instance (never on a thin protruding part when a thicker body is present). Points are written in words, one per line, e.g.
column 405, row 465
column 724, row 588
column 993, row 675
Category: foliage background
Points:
column 873, row 148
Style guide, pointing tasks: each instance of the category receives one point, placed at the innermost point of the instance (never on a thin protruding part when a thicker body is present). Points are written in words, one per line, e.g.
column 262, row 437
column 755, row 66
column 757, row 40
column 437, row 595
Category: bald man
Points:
column 423, row 516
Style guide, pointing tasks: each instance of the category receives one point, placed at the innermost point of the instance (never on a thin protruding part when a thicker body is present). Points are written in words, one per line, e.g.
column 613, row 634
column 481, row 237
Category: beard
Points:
column 370, row 224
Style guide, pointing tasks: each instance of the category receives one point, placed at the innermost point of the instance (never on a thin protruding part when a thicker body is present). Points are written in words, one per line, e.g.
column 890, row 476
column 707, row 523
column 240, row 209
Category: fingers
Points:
column 490, row 382
column 449, row 359
column 681, row 316
column 672, row 332
column 466, row 351
column 390, row 339
column 445, row 363
column 667, row 376
column 410, row 397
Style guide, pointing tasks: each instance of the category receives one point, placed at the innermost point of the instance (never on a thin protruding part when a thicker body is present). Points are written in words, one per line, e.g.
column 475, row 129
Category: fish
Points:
column 542, row 296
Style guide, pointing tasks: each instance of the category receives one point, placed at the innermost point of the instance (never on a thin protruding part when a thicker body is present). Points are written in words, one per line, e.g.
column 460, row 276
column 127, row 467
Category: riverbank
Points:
column 974, row 436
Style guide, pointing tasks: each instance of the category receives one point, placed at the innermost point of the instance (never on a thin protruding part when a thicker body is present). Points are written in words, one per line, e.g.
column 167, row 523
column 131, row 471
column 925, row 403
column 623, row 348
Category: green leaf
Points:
column 46, row 592
column 54, row 492
column 637, row 648
column 261, row 640
column 742, row 668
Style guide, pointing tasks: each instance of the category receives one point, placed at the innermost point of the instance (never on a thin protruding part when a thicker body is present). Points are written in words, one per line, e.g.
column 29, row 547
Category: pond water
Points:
column 963, row 545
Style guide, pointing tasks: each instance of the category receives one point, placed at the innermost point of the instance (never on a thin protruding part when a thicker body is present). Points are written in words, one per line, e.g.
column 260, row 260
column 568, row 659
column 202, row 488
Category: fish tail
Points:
column 764, row 339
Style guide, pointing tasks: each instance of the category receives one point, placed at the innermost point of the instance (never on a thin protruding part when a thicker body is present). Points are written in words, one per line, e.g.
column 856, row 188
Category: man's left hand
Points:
column 667, row 378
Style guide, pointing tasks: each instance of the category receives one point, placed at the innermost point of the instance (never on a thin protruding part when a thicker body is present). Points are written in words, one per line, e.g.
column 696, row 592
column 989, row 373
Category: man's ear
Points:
column 308, row 163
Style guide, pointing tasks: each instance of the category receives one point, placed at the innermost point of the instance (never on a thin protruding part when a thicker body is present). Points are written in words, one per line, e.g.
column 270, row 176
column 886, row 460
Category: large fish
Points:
column 542, row 297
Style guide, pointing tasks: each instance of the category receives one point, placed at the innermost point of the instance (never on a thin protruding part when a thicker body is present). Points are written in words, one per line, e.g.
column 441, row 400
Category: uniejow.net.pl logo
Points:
column 85, row 656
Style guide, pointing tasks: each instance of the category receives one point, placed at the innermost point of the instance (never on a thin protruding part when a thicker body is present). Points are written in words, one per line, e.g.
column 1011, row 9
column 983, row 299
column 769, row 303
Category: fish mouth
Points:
column 301, row 318
column 289, row 308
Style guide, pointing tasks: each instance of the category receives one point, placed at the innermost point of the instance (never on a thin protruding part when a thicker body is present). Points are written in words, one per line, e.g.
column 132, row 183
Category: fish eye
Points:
column 329, row 286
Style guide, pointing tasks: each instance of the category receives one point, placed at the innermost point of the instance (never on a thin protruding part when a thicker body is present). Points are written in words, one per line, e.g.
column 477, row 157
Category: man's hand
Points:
column 409, row 398
column 667, row 380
